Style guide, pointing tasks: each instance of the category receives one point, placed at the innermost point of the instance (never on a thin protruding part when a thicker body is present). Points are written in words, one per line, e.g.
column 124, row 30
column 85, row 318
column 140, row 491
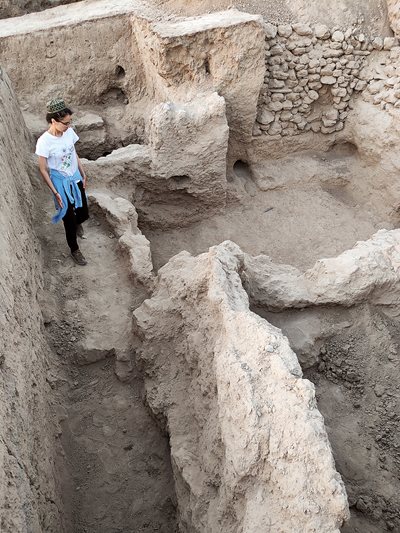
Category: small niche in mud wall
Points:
column 119, row 72
column 241, row 169
column 114, row 95
column 343, row 149
column 180, row 182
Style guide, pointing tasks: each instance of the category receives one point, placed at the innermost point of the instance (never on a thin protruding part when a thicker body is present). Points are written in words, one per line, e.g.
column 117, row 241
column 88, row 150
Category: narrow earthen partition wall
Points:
column 248, row 445
column 369, row 271
column 28, row 495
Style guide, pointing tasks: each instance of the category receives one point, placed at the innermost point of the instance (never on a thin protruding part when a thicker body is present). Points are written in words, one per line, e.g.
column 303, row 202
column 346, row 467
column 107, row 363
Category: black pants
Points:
column 73, row 217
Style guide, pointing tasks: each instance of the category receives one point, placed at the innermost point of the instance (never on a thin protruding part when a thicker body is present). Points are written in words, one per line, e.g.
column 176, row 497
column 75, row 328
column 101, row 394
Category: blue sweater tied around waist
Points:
column 68, row 189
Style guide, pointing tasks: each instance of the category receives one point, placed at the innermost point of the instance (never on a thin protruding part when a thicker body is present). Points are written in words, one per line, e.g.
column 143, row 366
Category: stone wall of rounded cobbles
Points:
column 383, row 75
column 311, row 75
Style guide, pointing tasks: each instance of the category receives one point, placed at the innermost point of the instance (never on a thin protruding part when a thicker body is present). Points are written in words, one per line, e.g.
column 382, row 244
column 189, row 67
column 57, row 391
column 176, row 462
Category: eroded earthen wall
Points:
column 94, row 62
column 27, row 481
column 248, row 445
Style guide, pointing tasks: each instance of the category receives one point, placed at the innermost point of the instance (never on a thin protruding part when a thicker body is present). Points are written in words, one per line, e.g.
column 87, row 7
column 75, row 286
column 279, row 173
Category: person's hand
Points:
column 59, row 199
column 84, row 181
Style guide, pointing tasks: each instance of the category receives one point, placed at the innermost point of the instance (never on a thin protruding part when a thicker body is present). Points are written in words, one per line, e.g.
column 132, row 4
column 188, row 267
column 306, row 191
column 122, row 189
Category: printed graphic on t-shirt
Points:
column 66, row 158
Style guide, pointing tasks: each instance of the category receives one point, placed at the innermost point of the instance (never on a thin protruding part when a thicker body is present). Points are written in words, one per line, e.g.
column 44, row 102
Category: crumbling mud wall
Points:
column 221, row 51
column 168, row 190
column 140, row 62
column 28, row 497
column 99, row 70
column 248, row 445
column 369, row 271
column 88, row 56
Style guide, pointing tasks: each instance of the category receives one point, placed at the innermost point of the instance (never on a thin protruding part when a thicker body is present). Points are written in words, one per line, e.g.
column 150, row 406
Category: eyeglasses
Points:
column 65, row 123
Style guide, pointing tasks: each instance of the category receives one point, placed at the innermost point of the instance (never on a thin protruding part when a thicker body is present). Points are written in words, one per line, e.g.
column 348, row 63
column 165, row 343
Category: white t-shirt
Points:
column 59, row 151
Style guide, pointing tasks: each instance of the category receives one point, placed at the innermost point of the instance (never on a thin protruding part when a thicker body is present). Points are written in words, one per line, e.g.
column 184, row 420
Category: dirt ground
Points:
column 115, row 472
column 371, row 16
column 322, row 213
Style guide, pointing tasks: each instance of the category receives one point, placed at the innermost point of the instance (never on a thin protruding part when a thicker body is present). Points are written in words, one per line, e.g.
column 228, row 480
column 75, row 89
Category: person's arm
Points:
column 83, row 174
column 45, row 174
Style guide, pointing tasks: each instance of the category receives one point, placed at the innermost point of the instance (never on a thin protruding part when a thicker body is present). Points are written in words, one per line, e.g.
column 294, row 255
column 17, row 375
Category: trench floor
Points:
column 114, row 465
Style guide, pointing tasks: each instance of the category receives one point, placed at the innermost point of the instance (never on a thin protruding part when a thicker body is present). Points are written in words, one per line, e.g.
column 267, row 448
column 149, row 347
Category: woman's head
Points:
column 58, row 114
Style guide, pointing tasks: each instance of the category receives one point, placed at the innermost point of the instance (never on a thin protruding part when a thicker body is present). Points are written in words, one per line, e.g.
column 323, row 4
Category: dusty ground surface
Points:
column 117, row 475
column 311, row 219
column 372, row 16
column 16, row 8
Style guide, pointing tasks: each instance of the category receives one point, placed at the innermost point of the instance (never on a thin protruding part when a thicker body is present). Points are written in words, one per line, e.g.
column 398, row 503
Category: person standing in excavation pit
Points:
column 63, row 173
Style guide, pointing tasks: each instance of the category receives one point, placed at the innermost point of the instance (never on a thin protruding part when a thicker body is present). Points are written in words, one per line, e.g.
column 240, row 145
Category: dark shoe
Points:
column 80, row 231
column 78, row 258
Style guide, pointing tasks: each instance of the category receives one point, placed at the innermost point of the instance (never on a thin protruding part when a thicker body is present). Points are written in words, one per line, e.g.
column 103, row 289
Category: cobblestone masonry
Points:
column 311, row 75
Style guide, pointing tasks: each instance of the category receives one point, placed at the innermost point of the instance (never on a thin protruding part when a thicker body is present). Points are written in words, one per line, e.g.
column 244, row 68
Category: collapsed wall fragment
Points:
column 394, row 15
column 248, row 445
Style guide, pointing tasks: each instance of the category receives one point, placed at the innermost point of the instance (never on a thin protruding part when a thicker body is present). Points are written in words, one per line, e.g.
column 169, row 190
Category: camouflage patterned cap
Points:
column 55, row 105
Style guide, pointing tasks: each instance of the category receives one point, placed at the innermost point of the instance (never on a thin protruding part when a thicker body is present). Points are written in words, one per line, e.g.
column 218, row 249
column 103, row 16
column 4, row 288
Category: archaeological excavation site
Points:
column 228, row 360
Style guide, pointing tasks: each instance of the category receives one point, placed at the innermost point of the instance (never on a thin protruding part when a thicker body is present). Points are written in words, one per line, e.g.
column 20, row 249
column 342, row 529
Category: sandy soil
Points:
column 371, row 16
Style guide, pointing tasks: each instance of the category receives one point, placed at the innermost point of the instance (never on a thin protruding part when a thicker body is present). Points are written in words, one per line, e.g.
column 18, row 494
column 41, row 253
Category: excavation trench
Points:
column 286, row 106
column 114, row 461
column 350, row 354
column 295, row 209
